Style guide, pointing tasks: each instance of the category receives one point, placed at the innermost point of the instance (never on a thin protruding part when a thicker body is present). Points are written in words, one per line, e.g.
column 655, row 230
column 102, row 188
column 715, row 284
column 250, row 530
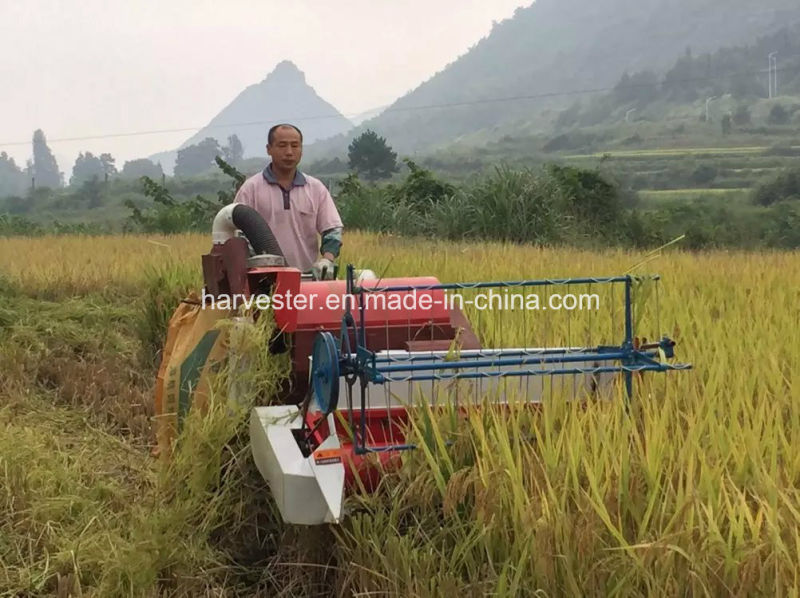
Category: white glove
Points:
column 322, row 269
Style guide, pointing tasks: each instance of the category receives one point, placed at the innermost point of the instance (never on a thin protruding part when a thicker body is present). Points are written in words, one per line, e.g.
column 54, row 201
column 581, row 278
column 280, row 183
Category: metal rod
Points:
column 628, row 339
column 508, row 283
column 438, row 355
column 530, row 360
column 383, row 449
column 664, row 367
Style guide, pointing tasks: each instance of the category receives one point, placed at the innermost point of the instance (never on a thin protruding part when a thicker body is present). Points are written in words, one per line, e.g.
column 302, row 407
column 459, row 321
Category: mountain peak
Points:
column 282, row 96
column 286, row 72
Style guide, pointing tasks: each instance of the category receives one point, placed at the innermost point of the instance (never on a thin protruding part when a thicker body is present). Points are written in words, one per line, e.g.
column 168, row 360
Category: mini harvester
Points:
column 364, row 349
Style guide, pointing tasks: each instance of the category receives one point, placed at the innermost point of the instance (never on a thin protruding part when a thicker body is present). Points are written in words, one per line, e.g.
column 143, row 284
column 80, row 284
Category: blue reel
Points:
column 325, row 372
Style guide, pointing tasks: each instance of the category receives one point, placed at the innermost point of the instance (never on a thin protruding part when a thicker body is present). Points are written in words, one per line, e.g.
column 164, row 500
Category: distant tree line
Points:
column 200, row 157
column 549, row 205
column 553, row 204
column 42, row 171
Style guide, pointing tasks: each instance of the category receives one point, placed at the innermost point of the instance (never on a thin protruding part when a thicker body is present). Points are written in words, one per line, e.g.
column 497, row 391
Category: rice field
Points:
column 666, row 196
column 678, row 152
column 695, row 492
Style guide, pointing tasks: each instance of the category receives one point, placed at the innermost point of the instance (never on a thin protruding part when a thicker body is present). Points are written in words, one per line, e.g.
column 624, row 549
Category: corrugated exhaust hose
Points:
column 251, row 223
column 256, row 229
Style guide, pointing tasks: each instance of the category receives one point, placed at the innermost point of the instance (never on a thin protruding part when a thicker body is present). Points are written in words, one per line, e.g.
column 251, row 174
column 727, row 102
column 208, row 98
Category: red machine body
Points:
column 413, row 321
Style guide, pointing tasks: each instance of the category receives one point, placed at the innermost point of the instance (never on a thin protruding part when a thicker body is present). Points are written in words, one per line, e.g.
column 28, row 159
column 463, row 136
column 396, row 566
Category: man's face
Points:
column 286, row 148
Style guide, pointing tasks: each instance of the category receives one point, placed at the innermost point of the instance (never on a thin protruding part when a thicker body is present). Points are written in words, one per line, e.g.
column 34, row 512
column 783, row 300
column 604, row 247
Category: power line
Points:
column 495, row 100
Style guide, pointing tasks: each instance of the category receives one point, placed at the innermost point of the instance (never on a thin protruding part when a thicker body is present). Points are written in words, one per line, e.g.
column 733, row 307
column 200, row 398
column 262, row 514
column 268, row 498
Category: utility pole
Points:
column 628, row 115
column 708, row 100
column 773, row 75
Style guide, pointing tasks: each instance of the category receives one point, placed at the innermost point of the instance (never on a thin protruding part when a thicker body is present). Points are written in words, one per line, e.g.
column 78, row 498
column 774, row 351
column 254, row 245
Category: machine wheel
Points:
column 325, row 372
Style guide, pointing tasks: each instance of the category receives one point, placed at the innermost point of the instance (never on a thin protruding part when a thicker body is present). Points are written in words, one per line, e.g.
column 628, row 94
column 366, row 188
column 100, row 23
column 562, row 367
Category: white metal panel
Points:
column 293, row 481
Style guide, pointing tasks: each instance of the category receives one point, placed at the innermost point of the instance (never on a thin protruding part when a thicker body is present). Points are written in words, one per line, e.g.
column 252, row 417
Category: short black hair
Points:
column 271, row 134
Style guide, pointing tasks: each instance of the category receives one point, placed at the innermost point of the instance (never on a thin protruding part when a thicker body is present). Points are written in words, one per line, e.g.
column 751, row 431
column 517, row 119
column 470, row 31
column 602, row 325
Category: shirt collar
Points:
column 269, row 176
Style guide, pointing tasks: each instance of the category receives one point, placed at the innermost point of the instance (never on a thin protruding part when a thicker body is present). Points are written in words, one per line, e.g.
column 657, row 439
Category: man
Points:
column 297, row 207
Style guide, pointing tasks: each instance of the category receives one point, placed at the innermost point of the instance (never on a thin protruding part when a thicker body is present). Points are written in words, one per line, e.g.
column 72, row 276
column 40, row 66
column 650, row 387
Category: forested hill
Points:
column 557, row 46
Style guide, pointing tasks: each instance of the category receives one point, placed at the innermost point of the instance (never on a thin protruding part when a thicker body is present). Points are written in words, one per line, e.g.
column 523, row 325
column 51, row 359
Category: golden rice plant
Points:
column 692, row 492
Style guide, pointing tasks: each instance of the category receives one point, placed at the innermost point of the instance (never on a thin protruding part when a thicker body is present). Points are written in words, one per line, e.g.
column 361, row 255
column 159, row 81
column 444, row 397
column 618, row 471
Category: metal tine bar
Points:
column 501, row 284
column 503, row 361
column 408, row 357
column 435, row 389
column 386, row 449
column 547, row 327
column 656, row 367
column 362, row 383
column 387, row 389
column 563, row 379
column 504, row 342
column 482, row 325
column 527, row 339
column 591, row 320
column 475, row 386
column 659, row 329
column 613, row 306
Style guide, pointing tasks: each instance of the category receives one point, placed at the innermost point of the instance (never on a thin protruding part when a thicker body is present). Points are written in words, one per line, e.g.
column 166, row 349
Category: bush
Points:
column 168, row 215
column 571, row 141
column 783, row 226
column 704, row 174
column 785, row 186
column 11, row 225
column 778, row 115
column 556, row 204
column 592, row 203
column 421, row 188
column 365, row 207
column 509, row 205
column 742, row 115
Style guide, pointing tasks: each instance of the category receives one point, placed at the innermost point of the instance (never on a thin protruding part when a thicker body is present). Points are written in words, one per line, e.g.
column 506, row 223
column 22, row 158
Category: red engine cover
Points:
column 324, row 305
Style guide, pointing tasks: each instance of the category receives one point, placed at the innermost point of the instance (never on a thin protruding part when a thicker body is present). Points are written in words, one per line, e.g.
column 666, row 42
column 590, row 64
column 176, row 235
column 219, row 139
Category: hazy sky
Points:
column 79, row 68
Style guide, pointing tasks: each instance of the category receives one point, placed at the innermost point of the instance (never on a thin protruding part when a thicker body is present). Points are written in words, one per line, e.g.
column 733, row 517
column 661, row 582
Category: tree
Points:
column 726, row 124
column 234, row 151
column 12, row 179
column 421, row 188
column 170, row 215
column 784, row 186
column 136, row 169
column 92, row 192
column 45, row 167
column 109, row 167
column 568, row 117
column 642, row 88
column 370, row 156
column 87, row 166
column 197, row 158
column 681, row 81
column 741, row 116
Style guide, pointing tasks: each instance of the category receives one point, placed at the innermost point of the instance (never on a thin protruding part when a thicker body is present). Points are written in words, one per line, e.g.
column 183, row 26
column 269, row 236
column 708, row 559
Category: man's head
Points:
column 285, row 146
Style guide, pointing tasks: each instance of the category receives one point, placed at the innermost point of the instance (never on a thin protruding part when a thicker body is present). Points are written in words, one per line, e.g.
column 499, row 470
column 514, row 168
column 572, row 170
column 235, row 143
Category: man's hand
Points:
column 322, row 269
